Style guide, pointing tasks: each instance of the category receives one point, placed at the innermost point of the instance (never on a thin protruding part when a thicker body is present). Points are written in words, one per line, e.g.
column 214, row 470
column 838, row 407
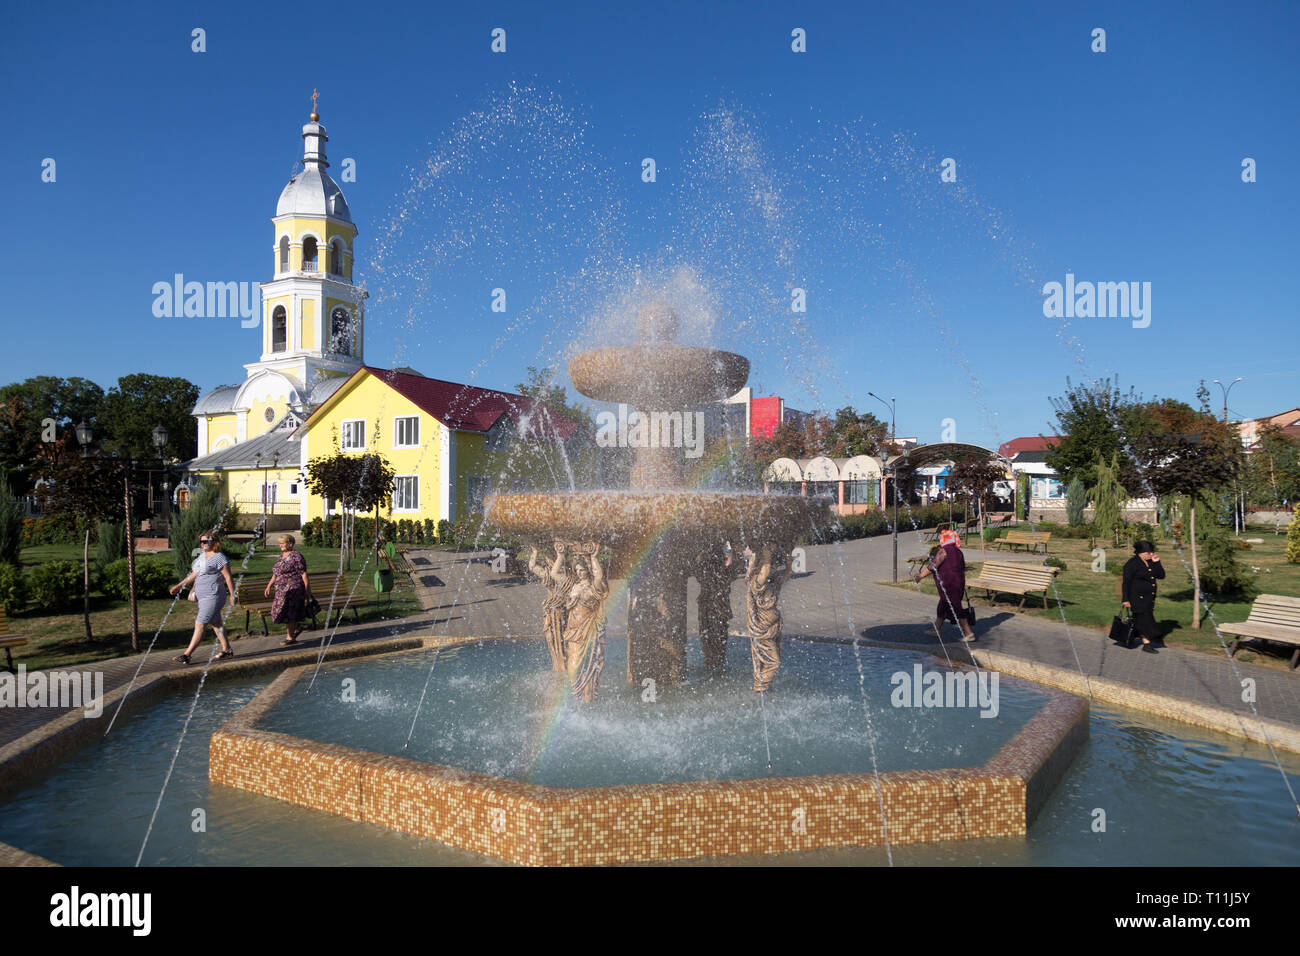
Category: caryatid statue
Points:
column 584, row 627
column 762, row 596
column 714, row 570
column 558, row 580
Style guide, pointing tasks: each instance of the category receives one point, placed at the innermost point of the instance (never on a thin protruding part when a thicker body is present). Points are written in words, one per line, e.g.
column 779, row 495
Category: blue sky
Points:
column 775, row 170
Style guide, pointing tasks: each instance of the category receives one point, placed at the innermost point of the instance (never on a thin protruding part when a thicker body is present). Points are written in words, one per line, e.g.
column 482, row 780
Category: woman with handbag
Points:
column 948, row 565
column 292, row 590
column 210, row 575
column 1141, row 573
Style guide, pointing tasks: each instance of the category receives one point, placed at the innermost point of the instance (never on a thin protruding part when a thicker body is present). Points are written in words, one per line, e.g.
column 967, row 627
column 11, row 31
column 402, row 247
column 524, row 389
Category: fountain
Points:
column 512, row 766
column 658, row 532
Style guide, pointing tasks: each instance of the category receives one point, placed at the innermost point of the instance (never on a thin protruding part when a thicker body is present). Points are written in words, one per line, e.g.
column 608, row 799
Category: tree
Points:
column 139, row 403
column 1271, row 472
column 1108, row 497
column 856, row 433
column 973, row 479
column 88, row 490
column 1293, row 538
column 1182, row 451
column 1092, row 420
column 1076, row 502
column 541, row 387
column 20, row 442
column 11, row 525
column 360, row 483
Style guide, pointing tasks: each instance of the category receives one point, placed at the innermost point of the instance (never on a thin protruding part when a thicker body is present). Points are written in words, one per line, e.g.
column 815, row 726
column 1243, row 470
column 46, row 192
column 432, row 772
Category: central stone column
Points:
column 656, row 621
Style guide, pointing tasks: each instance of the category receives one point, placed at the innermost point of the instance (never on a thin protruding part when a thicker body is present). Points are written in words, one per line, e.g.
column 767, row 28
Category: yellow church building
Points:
column 311, row 394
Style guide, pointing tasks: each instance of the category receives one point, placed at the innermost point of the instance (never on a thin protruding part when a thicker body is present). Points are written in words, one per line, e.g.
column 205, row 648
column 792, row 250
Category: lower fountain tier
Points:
column 630, row 522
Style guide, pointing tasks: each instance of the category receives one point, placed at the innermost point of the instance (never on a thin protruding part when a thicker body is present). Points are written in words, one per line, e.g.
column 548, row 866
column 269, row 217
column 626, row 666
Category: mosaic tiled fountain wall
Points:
column 549, row 826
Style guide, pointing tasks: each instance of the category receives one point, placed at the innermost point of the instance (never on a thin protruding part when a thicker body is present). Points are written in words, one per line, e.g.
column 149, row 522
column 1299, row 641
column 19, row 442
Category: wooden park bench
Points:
column 397, row 560
column 1273, row 617
column 253, row 600
column 1025, row 539
column 1006, row 577
column 8, row 641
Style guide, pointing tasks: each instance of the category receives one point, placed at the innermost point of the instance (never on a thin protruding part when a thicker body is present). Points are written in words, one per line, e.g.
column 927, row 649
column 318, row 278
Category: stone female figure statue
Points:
column 558, row 580
column 584, row 631
column 762, row 595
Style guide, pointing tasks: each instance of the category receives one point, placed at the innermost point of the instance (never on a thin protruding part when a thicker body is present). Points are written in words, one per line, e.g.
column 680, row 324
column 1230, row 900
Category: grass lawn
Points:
column 1091, row 599
column 58, row 638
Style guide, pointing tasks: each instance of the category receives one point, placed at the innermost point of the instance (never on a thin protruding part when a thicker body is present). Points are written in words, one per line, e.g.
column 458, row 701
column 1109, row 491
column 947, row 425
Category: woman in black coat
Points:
column 1141, row 573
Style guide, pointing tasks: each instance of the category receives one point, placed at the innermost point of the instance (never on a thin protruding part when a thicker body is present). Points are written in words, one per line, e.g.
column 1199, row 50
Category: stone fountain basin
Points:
column 573, row 825
column 658, row 376
column 629, row 521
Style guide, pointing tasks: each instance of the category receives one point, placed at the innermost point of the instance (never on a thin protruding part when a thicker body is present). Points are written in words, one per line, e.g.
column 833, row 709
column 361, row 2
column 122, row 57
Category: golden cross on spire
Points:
column 315, row 117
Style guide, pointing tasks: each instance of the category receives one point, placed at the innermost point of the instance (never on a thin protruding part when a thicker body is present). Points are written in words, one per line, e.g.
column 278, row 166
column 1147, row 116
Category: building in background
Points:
column 310, row 392
column 1251, row 429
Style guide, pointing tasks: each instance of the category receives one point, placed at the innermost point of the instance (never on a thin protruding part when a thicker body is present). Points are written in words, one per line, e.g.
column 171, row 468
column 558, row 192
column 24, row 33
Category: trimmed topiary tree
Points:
column 1076, row 501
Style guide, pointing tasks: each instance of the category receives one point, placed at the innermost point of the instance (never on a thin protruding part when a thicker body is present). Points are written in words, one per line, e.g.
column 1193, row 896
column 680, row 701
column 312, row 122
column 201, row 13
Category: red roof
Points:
column 1030, row 443
column 472, row 408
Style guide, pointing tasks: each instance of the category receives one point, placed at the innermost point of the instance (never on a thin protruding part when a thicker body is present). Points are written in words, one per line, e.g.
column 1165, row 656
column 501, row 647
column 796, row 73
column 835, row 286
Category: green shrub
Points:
column 13, row 588
column 52, row 529
column 56, row 584
column 1293, row 538
column 152, row 579
column 205, row 513
column 1141, row 531
column 1219, row 569
column 1055, row 563
column 446, row 533
column 1059, row 530
column 111, row 543
column 310, row 532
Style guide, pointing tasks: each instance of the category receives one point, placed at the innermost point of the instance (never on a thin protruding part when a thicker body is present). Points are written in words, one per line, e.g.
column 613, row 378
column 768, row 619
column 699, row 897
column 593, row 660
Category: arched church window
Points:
column 284, row 253
column 341, row 332
column 309, row 254
column 336, row 257
column 279, row 329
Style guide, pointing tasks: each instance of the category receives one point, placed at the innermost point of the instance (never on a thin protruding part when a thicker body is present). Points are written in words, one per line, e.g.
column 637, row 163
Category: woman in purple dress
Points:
column 292, row 590
column 948, row 565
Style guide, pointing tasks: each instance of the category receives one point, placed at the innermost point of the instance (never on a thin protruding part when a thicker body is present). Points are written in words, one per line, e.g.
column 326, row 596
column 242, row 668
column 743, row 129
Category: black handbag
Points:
column 312, row 607
column 970, row 612
column 1121, row 628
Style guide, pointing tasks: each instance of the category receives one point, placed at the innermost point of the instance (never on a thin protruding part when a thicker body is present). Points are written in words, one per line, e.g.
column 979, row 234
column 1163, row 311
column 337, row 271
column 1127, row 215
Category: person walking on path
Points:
column 948, row 565
column 292, row 590
column 210, row 575
column 1141, row 573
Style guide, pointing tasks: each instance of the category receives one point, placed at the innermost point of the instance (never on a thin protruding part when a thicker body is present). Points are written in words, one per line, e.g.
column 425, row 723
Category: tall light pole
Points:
column 893, row 440
column 1225, row 391
column 1236, row 514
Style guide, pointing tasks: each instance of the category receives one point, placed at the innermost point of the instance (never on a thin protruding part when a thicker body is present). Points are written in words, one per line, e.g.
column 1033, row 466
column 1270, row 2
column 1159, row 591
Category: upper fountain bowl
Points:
column 658, row 373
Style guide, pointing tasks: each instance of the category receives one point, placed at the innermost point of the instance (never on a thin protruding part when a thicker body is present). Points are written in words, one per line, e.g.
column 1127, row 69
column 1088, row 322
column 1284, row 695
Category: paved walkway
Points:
column 837, row 597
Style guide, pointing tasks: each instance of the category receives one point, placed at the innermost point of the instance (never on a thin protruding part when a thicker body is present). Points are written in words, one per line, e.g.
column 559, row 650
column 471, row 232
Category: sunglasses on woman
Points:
column 205, row 540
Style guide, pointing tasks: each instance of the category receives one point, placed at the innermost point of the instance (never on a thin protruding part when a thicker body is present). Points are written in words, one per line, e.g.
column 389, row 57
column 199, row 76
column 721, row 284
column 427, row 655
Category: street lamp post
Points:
column 160, row 442
column 893, row 440
column 1236, row 514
